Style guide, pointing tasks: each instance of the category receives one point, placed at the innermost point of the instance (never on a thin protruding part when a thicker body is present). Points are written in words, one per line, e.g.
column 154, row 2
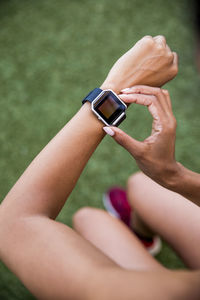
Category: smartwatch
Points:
column 107, row 106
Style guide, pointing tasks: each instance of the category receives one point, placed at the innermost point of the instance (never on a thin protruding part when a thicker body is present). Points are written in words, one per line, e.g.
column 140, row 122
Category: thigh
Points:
column 169, row 214
column 52, row 260
column 114, row 239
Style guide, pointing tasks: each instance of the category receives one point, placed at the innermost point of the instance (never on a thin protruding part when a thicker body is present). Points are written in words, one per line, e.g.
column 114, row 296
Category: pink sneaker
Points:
column 116, row 203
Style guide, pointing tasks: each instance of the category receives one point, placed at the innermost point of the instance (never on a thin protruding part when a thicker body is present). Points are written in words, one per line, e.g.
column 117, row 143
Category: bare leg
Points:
column 114, row 239
column 172, row 216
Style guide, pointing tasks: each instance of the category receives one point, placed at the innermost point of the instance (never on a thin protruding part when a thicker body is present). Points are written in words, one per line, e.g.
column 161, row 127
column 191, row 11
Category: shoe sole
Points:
column 109, row 207
column 156, row 247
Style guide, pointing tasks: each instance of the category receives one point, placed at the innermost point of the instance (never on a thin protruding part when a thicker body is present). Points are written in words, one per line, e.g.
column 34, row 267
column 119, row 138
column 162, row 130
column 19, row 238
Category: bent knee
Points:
column 138, row 187
column 136, row 180
column 81, row 216
column 85, row 216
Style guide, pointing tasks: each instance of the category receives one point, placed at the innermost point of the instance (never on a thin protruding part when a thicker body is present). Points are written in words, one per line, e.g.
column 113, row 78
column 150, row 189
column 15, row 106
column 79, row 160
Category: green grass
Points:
column 51, row 54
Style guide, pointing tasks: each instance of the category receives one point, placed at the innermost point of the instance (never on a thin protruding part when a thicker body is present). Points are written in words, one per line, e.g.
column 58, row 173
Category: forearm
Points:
column 48, row 181
column 185, row 182
column 50, row 178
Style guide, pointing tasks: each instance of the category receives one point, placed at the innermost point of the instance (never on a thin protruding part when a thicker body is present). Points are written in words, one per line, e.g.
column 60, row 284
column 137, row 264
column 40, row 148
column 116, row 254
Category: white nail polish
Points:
column 125, row 90
column 109, row 131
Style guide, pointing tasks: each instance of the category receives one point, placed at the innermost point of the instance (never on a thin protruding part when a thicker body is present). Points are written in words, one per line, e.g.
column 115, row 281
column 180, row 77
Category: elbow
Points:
column 7, row 228
column 12, row 227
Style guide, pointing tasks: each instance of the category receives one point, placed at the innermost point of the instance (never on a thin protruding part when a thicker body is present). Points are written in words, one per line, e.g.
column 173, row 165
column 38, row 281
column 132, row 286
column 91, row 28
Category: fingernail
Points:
column 125, row 90
column 109, row 131
column 124, row 95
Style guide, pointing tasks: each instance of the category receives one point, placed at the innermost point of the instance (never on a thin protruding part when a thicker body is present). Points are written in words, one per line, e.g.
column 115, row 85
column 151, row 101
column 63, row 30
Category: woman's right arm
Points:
column 155, row 156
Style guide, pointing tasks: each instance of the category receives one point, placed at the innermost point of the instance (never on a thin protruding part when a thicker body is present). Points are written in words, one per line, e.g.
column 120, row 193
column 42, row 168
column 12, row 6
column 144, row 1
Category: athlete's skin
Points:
column 51, row 259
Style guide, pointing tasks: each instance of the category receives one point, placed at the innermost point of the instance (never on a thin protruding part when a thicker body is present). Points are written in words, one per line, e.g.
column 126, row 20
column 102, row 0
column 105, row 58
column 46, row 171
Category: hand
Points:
column 149, row 62
column 155, row 156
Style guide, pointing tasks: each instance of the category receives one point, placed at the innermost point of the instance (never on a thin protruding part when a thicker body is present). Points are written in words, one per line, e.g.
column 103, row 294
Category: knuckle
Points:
column 165, row 92
column 174, row 122
column 160, row 42
column 157, row 91
column 147, row 37
column 175, row 55
column 175, row 69
column 161, row 37
column 170, row 56
column 171, row 125
column 159, row 46
column 149, row 40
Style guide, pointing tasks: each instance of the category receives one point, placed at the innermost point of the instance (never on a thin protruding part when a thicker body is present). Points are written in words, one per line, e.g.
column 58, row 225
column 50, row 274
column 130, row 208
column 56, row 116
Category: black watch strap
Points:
column 92, row 95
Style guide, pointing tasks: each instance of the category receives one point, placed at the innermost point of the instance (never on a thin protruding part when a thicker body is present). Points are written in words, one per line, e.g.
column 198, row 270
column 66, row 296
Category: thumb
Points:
column 133, row 146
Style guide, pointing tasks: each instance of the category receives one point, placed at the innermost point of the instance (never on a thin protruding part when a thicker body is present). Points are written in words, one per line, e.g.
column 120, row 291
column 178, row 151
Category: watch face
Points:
column 109, row 107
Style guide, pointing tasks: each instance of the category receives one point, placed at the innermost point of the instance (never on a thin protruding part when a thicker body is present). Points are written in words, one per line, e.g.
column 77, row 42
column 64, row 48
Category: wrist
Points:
column 173, row 177
column 110, row 86
column 92, row 121
column 120, row 85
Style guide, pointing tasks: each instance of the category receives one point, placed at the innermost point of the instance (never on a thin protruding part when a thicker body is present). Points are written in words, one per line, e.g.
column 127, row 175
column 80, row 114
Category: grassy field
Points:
column 51, row 54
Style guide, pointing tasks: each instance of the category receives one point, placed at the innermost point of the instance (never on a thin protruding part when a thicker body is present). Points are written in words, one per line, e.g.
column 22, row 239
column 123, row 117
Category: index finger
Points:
column 150, row 101
column 148, row 90
column 141, row 99
column 141, row 89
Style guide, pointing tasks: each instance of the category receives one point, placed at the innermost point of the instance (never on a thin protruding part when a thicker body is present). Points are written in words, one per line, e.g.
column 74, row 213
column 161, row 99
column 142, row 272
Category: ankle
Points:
column 139, row 228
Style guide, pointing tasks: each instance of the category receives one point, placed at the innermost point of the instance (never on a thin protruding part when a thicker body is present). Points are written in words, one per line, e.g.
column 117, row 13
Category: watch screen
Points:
column 108, row 107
